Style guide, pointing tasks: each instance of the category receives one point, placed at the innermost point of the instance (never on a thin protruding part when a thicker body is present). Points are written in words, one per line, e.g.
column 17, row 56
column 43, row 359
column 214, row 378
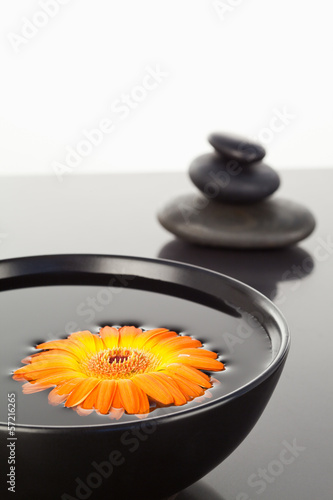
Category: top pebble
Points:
column 236, row 147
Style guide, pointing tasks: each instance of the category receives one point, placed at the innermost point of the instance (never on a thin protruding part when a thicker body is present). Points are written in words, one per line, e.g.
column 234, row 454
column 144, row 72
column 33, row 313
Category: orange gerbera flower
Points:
column 126, row 369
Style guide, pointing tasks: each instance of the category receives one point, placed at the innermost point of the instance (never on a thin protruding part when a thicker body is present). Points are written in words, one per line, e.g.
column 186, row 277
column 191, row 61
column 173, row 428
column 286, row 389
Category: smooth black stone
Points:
column 269, row 224
column 232, row 182
column 237, row 147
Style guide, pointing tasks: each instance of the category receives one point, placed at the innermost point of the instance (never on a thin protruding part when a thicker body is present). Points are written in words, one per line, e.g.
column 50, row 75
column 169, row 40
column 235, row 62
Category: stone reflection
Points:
column 199, row 491
column 261, row 269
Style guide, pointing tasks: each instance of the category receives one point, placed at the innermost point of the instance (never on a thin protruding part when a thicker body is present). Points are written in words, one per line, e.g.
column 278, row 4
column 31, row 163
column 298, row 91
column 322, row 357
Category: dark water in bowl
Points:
column 33, row 315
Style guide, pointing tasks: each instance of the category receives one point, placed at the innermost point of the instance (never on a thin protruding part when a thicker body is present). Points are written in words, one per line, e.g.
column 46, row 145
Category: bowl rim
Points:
column 25, row 266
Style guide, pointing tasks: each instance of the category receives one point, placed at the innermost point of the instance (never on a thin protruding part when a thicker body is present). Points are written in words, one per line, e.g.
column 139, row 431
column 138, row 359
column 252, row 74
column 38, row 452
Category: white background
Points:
column 231, row 65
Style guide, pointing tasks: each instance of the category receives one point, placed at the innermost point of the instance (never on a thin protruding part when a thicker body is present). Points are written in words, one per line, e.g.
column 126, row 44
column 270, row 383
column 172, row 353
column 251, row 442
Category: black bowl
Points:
column 168, row 451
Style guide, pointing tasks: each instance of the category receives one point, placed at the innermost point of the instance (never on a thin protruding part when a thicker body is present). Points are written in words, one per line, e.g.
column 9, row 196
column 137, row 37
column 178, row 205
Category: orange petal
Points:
column 189, row 389
column 190, row 373
column 151, row 337
column 198, row 352
column 117, row 402
column 99, row 343
column 59, row 377
column 106, row 391
column 53, row 376
column 153, row 387
column 129, row 395
column 66, row 387
column 31, row 368
column 127, row 335
column 179, row 343
column 85, row 339
column 65, row 345
column 27, row 359
column 81, row 391
column 152, row 333
column 90, row 402
column 143, row 402
column 178, row 396
column 62, row 362
column 52, row 355
column 199, row 362
column 29, row 388
column 110, row 336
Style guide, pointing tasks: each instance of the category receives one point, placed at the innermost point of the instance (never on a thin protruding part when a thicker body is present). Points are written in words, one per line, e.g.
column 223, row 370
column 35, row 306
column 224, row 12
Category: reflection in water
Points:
column 261, row 269
column 199, row 491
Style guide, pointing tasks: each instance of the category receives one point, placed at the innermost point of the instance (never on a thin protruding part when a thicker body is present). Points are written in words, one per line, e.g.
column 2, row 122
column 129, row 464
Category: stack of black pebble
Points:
column 234, row 209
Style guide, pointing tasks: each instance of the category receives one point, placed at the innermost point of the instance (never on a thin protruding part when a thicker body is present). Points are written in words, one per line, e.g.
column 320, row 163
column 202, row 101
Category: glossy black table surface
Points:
column 288, row 455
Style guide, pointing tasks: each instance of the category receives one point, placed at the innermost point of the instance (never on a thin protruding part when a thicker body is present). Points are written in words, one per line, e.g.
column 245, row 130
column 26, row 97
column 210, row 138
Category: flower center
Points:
column 120, row 362
column 117, row 359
